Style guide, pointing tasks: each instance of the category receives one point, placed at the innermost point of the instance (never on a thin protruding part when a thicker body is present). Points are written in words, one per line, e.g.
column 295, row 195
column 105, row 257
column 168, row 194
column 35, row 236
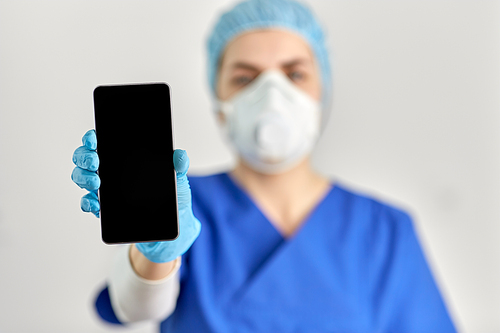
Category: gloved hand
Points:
column 85, row 176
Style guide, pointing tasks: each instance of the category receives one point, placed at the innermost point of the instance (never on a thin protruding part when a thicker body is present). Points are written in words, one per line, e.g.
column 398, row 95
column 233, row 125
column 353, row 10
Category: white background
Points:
column 415, row 122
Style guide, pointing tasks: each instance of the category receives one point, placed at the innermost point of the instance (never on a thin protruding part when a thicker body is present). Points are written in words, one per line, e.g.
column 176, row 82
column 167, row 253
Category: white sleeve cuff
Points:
column 134, row 298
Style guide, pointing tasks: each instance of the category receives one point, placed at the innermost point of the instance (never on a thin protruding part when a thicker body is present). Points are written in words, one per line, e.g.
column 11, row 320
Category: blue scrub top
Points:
column 355, row 265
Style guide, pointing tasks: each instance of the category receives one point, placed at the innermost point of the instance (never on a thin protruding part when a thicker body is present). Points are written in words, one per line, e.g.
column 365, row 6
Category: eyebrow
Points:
column 291, row 63
column 299, row 61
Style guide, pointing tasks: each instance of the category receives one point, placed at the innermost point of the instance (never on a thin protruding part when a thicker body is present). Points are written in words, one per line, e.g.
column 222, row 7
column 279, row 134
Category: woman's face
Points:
column 254, row 52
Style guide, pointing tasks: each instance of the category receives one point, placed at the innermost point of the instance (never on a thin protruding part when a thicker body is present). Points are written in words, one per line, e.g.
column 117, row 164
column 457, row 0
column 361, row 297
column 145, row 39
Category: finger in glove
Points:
column 89, row 140
column 90, row 203
column 86, row 179
column 86, row 159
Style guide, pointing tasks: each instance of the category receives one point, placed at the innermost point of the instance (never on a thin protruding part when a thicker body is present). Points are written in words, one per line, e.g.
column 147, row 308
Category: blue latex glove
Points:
column 85, row 176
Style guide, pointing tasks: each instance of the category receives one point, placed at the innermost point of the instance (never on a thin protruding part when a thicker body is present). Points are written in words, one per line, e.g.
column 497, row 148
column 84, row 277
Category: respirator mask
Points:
column 272, row 123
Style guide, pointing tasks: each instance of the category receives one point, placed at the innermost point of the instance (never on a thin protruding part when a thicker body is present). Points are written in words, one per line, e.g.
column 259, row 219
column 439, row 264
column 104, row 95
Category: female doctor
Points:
column 271, row 246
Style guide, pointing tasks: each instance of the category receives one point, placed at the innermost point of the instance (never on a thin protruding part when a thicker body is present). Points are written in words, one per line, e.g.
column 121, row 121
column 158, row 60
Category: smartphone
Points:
column 138, row 196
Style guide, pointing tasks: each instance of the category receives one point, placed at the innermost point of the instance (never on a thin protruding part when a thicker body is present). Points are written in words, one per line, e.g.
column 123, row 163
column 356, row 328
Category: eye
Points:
column 241, row 80
column 296, row 76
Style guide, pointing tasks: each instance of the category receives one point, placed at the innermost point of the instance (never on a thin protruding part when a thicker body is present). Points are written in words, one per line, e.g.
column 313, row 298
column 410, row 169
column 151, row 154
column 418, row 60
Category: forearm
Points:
column 148, row 292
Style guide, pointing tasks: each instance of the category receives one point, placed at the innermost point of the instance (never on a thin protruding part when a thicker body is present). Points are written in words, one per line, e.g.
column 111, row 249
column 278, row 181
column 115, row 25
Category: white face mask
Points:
column 272, row 123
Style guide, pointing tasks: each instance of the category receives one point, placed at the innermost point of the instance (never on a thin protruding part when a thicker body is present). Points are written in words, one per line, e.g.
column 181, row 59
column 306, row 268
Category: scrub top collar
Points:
column 309, row 219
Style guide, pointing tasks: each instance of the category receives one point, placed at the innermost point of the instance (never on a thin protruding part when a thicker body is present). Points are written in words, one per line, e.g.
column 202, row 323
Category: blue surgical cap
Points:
column 261, row 14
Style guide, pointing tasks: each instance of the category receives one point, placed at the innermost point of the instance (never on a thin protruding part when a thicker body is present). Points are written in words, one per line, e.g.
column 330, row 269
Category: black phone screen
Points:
column 138, row 198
